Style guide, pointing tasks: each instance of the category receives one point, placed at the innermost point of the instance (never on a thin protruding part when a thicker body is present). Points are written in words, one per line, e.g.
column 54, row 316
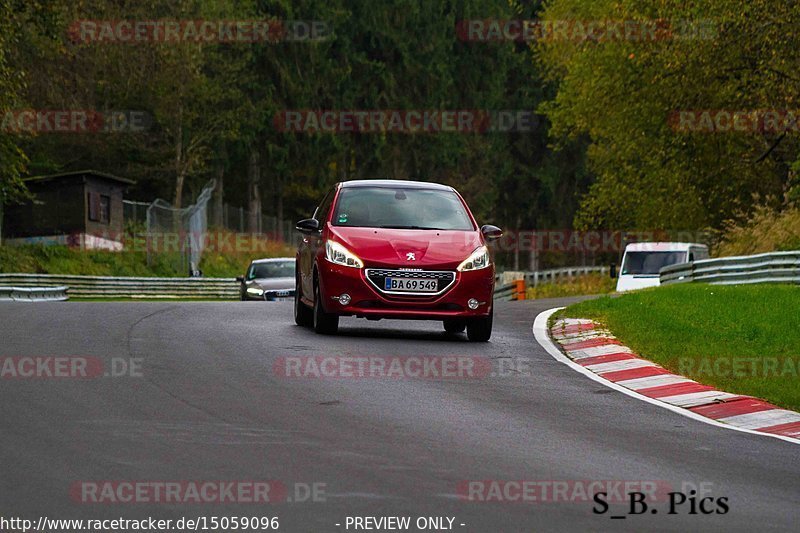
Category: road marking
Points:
column 633, row 373
column 542, row 336
column 590, row 343
column 694, row 399
column 599, row 350
column 592, row 334
column 586, row 361
column 654, row 381
column 745, row 404
column 790, row 430
column 763, row 419
column 602, row 368
column 675, row 389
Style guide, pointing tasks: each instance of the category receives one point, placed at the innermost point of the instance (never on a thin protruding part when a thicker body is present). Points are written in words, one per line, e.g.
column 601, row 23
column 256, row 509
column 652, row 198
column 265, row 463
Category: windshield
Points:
column 650, row 263
column 273, row 269
column 404, row 208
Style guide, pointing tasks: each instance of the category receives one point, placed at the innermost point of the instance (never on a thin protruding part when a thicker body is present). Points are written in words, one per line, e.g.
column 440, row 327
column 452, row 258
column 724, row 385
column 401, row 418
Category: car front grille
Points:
column 377, row 277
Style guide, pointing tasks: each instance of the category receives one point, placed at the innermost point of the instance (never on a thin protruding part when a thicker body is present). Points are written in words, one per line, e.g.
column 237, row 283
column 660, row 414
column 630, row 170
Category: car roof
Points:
column 405, row 184
column 662, row 246
column 272, row 260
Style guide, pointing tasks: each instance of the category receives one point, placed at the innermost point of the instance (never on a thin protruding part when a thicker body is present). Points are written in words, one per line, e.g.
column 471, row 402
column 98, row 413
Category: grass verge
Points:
column 577, row 286
column 42, row 259
column 743, row 339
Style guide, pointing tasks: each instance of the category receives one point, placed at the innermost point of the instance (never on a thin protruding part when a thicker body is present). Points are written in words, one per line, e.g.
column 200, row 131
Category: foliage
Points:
column 577, row 286
column 621, row 93
column 767, row 230
column 213, row 104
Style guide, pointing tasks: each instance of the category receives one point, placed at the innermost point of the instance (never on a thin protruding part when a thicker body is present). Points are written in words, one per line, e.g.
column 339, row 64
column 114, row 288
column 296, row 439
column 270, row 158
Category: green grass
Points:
column 41, row 259
column 743, row 339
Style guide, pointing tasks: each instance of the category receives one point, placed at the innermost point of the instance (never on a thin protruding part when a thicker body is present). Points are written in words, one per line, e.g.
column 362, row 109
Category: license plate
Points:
column 411, row 285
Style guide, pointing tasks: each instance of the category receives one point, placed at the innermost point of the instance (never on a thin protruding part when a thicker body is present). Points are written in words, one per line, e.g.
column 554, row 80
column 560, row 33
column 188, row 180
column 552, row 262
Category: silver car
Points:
column 269, row 279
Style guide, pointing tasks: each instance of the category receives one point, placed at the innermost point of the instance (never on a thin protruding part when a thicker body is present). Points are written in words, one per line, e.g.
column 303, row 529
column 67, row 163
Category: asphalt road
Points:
column 206, row 404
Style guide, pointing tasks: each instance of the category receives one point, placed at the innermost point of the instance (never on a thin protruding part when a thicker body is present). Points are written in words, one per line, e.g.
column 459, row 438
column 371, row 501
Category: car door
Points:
column 311, row 244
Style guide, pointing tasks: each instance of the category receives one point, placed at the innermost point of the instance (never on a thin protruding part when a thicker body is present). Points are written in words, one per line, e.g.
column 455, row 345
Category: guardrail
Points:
column 505, row 292
column 129, row 287
column 553, row 275
column 227, row 288
column 775, row 267
column 512, row 291
column 34, row 294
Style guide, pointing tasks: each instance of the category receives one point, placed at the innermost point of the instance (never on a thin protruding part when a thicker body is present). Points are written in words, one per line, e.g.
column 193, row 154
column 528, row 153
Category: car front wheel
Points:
column 325, row 323
column 480, row 329
column 303, row 315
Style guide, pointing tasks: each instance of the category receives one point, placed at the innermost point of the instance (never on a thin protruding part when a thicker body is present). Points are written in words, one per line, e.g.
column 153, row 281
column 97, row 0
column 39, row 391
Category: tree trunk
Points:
column 179, row 167
column 179, row 189
column 279, row 191
column 253, row 193
column 534, row 257
column 516, row 248
column 219, row 197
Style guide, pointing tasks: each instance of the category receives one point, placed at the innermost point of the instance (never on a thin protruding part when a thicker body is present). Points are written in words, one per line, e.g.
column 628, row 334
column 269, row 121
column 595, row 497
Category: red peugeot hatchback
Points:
column 395, row 249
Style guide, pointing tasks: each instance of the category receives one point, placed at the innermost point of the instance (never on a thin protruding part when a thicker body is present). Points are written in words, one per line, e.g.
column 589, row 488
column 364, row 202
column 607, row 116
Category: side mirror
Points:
column 491, row 233
column 612, row 270
column 240, row 279
column 308, row 225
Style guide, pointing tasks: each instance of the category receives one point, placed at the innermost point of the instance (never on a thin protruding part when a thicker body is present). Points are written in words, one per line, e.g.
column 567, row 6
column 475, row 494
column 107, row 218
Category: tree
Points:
column 621, row 94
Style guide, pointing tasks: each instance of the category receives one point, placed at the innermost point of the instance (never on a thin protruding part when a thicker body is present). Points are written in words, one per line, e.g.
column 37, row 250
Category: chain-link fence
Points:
column 227, row 217
column 237, row 220
column 184, row 227
column 180, row 235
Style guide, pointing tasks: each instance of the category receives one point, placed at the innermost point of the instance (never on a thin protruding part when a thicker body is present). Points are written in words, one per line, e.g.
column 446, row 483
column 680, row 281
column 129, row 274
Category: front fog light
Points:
column 344, row 299
column 473, row 304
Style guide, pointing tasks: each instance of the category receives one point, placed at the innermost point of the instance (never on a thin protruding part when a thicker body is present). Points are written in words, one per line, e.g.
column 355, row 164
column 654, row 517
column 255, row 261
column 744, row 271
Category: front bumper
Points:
column 368, row 301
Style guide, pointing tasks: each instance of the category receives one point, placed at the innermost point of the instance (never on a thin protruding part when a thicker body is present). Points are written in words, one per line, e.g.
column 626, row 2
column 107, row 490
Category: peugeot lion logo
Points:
column 410, row 256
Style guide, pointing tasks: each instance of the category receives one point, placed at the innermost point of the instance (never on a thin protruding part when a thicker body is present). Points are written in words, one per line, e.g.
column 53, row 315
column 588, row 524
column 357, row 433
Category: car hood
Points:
column 408, row 248
column 272, row 284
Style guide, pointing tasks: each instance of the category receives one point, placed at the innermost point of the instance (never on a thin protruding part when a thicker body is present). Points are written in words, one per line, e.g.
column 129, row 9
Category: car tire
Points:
column 324, row 323
column 480, row 329
column 303, row 315
column 452, row 325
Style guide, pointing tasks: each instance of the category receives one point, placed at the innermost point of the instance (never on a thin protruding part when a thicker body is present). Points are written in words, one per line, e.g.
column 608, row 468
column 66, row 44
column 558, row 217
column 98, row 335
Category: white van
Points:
column 643, row 260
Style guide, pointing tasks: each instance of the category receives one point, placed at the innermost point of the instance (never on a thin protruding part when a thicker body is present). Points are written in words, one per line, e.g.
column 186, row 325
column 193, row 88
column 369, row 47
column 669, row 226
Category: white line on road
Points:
column 543, row 338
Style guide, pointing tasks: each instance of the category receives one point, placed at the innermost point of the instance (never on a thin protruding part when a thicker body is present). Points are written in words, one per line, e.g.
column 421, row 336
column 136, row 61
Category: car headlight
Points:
column 338, row 254
column 256, row 291
column 477, row 260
